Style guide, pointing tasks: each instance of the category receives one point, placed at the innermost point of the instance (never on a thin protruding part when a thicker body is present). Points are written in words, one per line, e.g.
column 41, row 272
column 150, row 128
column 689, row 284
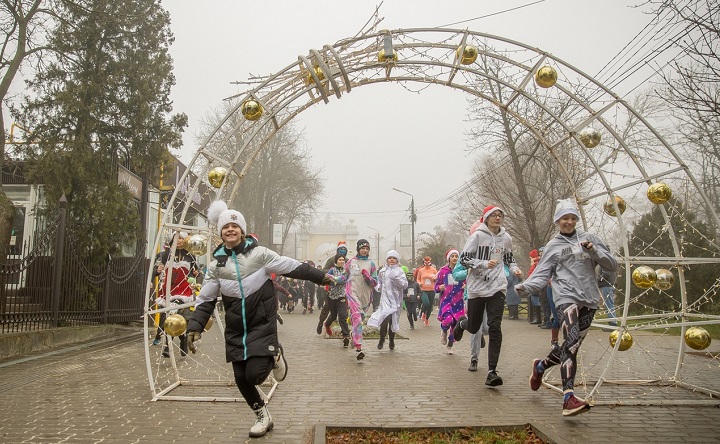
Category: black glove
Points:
column 193, row 336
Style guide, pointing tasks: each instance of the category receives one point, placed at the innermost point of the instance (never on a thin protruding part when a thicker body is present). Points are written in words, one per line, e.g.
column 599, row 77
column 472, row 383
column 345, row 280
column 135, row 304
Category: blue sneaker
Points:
column 156, row 341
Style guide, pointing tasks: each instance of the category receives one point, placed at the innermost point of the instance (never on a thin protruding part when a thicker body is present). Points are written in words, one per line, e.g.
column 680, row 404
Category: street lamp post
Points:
column 377, row 238
column 412, row 221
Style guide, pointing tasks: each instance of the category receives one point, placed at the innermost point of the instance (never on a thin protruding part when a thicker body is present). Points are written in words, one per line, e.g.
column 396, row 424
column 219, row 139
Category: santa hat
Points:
column 449, row 252
column 392, row 253
column 219, row 214
column 490, row 209
column 340, row 245
column 565, row 207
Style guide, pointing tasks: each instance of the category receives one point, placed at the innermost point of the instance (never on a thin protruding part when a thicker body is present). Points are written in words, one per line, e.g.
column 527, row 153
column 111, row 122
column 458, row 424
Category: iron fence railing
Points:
column 49, row 285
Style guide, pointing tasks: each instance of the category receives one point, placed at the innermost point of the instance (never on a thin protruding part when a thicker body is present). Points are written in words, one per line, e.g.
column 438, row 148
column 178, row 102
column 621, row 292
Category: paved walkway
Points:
column 100, row 393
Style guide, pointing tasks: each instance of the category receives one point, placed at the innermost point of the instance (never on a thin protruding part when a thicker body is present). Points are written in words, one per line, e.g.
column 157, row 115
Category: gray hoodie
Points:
column 573, row 277
column 481, row 246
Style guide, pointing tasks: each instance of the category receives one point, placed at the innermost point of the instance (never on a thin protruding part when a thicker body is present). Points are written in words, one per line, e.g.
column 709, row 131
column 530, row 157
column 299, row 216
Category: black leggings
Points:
column 338, row 310
column 384, row 328
column 411, row 308
column 494, row 305
column 251, row 373
column 576, row 322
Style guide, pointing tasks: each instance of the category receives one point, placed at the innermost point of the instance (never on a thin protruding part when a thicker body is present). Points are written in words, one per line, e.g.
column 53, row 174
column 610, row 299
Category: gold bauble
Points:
column 318, row 72
column 383, row 58
column 209, row 324
column 251, row 109
column 610, row 210
column 217, row 175
column 697, row 338
column 546, row 77
column 468, row 56
column 590, row 137
column 175, row 325
column 659, row 193
column 644, row 276
column 625, row 342
column 196, row 244
column 665, row 279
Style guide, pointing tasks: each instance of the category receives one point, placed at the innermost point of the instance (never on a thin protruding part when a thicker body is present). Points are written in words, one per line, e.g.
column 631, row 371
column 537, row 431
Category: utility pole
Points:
column 377, row 243
column 413, row 218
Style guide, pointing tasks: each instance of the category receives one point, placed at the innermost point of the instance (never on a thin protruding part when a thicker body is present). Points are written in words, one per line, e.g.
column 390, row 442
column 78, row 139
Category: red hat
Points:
column 449, row 252
column 490, row 209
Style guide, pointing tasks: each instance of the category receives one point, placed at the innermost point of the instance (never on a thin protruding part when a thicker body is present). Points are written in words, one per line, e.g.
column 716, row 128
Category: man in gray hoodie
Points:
column 569, row 260
column 484, row 254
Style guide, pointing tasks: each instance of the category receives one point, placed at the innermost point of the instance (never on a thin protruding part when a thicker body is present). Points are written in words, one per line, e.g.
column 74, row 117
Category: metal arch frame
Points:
column 343, row 65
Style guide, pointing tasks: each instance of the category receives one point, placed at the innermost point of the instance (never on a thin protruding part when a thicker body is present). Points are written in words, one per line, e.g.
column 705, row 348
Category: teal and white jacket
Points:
column 242, row 277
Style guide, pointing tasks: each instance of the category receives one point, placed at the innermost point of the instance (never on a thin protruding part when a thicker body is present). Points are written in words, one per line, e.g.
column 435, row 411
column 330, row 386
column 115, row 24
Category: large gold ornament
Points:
column 659, row 193
column 468, row 56
column 546, row 77
column 318, row 72
column 644, row 276
column 665, row 279
column 610, row 210
column 626, row 341
column 217, row 175
column 175, row 325
column 697, row 338
column 383, row 58
column 196, row 244
column 590, row 137
column 251, row 109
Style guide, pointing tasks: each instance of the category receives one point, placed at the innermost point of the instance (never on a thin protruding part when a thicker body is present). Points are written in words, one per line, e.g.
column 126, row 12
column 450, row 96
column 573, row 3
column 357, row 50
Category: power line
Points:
column 492, row 14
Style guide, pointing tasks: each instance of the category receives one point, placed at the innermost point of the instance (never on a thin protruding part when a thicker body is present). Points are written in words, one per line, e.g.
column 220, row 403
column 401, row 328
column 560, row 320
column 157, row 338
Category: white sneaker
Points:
column 280, row 369
column 449, row 350
column 443, row 337
column 263, row 422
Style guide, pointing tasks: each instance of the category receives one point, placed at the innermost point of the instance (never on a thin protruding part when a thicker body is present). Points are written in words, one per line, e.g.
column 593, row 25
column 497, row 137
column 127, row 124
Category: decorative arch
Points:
column 587, row 129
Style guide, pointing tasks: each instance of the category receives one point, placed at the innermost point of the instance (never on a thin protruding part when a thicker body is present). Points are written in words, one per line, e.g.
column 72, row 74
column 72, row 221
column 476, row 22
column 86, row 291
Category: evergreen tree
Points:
column 651, row 238
column 104, row 101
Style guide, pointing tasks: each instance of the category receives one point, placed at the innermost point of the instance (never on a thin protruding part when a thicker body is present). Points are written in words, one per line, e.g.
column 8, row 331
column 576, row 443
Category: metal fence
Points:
column 51, row 286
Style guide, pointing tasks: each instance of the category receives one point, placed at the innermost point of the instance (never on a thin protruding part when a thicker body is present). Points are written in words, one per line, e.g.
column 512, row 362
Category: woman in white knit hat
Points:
column 241, row 271
column 569, row 260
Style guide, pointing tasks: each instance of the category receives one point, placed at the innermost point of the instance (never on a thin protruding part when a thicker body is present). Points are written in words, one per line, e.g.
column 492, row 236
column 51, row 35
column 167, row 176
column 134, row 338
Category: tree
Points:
column 103, row 101
column 279, row 185
column 25, row 25
column 650, row 238
column 692, row 87
column 515, row 170
column 436, row 245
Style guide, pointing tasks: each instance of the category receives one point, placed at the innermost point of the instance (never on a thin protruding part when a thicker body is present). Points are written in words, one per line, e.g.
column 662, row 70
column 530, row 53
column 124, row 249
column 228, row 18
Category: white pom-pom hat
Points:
column 219, row 214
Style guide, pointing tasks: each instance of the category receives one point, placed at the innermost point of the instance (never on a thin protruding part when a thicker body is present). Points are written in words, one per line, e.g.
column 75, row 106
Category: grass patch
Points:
column 435, row 436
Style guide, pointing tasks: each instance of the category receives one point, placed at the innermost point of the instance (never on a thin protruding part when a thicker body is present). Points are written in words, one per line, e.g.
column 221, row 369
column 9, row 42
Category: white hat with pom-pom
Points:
column 219, row 214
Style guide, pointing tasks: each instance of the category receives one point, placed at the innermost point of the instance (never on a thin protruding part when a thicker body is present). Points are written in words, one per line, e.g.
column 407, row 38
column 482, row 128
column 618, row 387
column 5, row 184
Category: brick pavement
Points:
column 101, row 394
